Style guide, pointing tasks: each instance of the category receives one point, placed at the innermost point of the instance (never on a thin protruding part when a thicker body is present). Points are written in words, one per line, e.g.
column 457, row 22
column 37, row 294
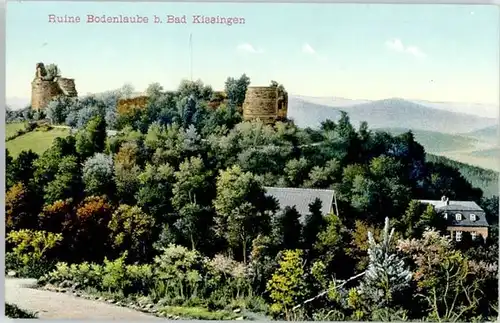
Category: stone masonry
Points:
column 265, row 103
column 44, row 90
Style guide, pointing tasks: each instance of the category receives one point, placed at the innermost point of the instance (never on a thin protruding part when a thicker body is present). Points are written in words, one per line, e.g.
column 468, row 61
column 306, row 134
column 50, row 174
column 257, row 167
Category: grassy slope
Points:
column 485, row 179
column 11, row 128
column 37, row 141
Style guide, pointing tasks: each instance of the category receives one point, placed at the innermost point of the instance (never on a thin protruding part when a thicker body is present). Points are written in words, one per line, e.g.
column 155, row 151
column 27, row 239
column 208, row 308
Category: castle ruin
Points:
column 266, row 103
column 47, row 85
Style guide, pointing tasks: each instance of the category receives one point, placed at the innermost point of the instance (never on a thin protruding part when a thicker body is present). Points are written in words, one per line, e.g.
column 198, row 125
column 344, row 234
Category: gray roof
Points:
column 454, row 207
column 301, row 198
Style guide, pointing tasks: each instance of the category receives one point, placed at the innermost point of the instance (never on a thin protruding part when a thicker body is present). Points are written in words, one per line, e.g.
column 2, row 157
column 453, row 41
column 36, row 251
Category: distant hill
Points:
column 488, row 153
column 437, row 142
column 487, row 180
column 388, row 113
column 489, row 134
column 479, row 109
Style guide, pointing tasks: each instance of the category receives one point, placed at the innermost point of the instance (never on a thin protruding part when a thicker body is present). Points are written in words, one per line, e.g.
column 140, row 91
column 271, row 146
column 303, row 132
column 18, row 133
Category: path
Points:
column 51, row 305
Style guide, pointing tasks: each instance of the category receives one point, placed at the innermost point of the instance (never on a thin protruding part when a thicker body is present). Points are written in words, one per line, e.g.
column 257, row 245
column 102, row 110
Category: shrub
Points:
column 30, row 251
column 14, row 312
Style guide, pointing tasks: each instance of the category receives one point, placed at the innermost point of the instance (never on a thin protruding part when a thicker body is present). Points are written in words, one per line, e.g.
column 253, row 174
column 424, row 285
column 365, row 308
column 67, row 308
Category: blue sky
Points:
column 430, row 52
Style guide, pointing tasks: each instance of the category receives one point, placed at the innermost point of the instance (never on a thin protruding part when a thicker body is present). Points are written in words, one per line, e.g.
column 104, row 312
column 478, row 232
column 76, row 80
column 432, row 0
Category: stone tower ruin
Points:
column 46, row 86
column 266, row 103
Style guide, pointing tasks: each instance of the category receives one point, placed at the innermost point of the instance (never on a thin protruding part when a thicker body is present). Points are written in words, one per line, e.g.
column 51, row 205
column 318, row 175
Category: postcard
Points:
column 251, row 161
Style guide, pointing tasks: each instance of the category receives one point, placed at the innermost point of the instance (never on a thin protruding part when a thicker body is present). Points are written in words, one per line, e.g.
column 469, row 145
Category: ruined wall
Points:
column 282, row 105
column 42, row 92
column 45, row 88
column 67, row 86
column 260, row 103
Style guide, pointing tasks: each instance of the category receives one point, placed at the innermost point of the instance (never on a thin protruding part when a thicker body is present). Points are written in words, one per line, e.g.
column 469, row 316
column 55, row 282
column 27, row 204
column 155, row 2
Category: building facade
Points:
column 462, row 217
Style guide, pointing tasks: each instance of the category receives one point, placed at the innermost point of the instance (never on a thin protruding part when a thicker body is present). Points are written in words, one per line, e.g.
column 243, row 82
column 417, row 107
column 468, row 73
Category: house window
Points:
column 458, row 216
column 473, row 235
column 458, row 236
column 473, row 217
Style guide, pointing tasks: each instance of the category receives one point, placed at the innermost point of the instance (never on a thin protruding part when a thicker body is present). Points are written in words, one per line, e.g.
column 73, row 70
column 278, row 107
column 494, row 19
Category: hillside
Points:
column 388, row 113
column 487, row 180
column 38, row 140
column 489, row 134
column 437, row 142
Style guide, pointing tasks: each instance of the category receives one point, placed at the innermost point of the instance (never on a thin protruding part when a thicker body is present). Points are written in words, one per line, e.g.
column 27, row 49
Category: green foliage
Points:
column 485, row 179
column 330, row 240
column 287, row 285
column 92, row 138
column 242, row 209
column 30, row 255
column 450, row 284
column 236, row 89
column 180, row 188
column 386, row 276
column 131, row 229
column 32, row 245
column 97, row 174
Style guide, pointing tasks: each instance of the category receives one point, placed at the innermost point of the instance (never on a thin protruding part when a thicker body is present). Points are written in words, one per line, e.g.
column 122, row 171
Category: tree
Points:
column 387, row 275
column 98, row 173
column 296, row 171
column 92, row 139
column 127, row 172
column 242, row 207
column 155, row 192
column 22, row 169
column 66, row 183
column 287, row 226
column 33, row 246
column 236, row 89
column 406, row 224
column 18, row 211
column 430, row 219
column 54, row 217
column 287, row 285
column 449, row 284
column 358, row 248
column 323, row 177
column 314, row 223
column 89, row 229
column 329, row 240
column 132, row 230
column 191, row 197
column 57, row 110
column 154, row 90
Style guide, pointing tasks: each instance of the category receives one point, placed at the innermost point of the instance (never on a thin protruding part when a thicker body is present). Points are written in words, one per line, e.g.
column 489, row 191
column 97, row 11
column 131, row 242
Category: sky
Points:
column 357, row 51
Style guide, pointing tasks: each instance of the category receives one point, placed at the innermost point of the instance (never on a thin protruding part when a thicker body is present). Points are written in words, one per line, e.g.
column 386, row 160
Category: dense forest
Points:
column 172, row 212
column 485, row 179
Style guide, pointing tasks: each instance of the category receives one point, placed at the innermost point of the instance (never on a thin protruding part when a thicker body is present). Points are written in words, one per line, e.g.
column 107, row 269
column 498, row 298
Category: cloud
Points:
column 398, row 46
column 248, row 48
column 306, row 48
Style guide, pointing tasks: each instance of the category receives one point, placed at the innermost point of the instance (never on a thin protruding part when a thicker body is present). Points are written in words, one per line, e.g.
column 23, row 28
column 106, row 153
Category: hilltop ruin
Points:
column 48, row 84
column 266, row 103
